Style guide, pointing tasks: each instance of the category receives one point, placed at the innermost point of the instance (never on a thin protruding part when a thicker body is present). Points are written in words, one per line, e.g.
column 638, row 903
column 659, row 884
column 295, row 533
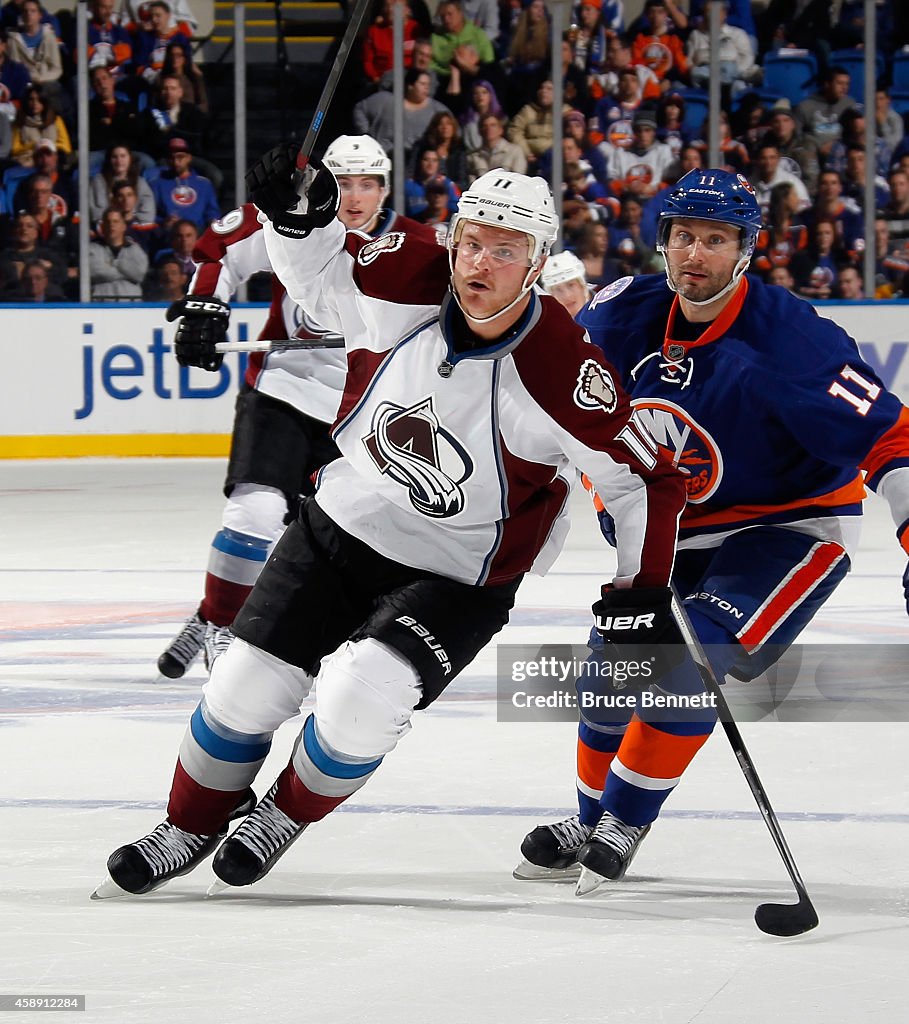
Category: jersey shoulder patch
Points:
column 610, row 291
column 384, row 243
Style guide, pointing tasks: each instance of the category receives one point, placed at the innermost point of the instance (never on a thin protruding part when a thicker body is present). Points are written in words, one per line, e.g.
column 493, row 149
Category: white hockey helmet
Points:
column 561, row 268
column 358, row 154
column 506, row 199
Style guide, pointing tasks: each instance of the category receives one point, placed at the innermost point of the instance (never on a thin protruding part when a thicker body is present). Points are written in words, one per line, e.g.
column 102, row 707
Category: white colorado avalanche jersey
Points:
column 460, row 463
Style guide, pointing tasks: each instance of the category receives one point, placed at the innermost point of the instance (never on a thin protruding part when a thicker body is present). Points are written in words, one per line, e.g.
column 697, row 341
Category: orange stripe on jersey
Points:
column 849, row 494
column 593, row 765
column 791, row 592
column 893, row 444
column 656, row 754
column 719, row 326
column 594, row 497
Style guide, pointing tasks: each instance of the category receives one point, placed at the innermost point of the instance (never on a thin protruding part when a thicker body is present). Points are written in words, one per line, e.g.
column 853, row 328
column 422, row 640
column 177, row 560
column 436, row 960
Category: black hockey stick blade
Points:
column 331, row 83
column 786, row 919
column 772, row 918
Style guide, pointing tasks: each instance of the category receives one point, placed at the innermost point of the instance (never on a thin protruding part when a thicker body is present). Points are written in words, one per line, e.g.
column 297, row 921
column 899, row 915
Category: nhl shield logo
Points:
column 675, row 352
column 414, row 449
column 595, row 388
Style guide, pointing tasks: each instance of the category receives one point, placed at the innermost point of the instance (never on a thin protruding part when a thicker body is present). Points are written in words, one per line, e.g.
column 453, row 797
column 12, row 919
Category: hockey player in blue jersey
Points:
column 774, row 418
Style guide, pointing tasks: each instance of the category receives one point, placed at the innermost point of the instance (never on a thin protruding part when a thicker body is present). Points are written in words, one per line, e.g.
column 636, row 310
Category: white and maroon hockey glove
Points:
column 295, row 203
column 203, row 324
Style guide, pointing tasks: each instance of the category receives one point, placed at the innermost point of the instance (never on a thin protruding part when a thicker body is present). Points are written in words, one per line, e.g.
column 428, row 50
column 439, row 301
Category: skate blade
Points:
column 109, row 890
column 217, row 886
column 527, row 872
column 589, row 882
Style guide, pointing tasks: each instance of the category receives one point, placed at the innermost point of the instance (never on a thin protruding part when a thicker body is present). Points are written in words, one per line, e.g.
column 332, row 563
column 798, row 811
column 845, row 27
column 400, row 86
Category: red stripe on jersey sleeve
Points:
column 213, row 245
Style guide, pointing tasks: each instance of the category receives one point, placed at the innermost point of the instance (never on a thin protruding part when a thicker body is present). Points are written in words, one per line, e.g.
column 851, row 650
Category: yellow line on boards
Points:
column 72, row 446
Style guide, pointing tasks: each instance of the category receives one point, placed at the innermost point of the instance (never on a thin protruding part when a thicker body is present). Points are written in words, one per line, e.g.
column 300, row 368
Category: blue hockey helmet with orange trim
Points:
column 713, row 194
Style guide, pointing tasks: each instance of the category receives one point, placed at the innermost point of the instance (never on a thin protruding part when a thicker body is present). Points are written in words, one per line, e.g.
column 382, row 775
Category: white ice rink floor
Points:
column 401, row 907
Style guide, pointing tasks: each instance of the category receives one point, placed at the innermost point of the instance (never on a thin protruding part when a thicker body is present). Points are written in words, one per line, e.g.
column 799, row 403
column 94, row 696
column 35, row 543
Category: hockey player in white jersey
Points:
column 565, row 279
column 469, row 402
column 288, row 400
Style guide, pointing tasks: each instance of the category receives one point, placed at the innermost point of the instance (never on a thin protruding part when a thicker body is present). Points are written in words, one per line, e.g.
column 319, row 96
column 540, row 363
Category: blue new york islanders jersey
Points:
column 770, row 413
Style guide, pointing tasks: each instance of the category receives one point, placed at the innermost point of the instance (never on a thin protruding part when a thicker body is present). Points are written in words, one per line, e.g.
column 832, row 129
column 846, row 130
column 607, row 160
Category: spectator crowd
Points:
column 478, row 94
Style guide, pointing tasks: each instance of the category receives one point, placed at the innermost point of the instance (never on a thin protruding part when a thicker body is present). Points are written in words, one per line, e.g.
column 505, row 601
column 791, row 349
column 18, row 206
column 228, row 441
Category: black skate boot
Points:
column 184, row 647
column 551, row 851
column 608, row 852
column 163, row 854
column 251, row 852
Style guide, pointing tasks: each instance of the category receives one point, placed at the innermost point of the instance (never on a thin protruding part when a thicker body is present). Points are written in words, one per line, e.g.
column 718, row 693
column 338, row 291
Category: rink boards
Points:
column 102, row 380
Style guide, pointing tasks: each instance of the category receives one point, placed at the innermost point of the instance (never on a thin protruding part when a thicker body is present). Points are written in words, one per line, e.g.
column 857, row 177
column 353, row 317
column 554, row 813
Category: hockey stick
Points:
column 280, row 345
column 772, row 918
column 334, row 76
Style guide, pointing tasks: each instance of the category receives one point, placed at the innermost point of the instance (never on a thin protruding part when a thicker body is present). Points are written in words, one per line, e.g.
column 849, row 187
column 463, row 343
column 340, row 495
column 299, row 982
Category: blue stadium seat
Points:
column 697, row 105
column 899, row 100
column 854, row 62
column 792, row 76
column 901, row 72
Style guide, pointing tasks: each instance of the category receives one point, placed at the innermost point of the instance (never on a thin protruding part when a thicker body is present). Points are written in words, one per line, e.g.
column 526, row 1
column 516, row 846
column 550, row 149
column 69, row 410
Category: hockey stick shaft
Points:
column 712, row 686
column 280, row 345
column 331, row 83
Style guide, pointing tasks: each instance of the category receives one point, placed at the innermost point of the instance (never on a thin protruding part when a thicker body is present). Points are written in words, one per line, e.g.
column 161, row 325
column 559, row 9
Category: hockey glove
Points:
column 638, row 624
column 203, row 324
column 607, row 527
column 295, row 203
column 906, row 587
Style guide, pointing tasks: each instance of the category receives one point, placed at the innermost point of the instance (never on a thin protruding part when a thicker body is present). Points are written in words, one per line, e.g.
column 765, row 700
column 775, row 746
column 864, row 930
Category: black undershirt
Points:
column 684, row 329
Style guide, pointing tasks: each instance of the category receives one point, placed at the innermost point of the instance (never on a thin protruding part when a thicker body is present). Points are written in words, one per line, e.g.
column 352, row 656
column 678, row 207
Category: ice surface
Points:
column 401, row 906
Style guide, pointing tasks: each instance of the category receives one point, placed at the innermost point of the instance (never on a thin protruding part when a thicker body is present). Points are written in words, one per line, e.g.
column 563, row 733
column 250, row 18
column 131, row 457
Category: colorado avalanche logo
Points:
column 685, row 443
column 595, row 388
column 385, row 243
column 415, row 450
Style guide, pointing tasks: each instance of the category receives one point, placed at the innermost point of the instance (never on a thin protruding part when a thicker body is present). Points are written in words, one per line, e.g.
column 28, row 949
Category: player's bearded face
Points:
column 361, row 200
column 701, row 256
column 490, row 268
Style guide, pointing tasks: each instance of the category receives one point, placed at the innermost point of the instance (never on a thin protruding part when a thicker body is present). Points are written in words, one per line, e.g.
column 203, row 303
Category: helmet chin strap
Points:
column 737, row 272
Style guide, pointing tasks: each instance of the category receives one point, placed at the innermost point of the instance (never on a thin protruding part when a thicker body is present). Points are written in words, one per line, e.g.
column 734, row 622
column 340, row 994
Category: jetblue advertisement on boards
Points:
column 94, row 370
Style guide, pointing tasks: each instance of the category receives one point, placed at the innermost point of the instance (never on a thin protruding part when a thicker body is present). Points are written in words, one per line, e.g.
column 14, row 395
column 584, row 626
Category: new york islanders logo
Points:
column 414, row 449
column 384, row 243
column 685, row 443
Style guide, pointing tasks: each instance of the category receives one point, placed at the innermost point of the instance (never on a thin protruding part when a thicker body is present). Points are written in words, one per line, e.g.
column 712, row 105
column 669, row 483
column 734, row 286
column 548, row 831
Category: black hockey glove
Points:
column 638, row 623
column 295, row 203
column 906, row 587
column 203, row 324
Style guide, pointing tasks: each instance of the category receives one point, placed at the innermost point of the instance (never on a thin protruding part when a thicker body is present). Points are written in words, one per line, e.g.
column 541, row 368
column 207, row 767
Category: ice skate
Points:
column 216, row 641
column 550, row 851
column 608, row 852
column 251, row 852
column 165, row 853
column 184, row 647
